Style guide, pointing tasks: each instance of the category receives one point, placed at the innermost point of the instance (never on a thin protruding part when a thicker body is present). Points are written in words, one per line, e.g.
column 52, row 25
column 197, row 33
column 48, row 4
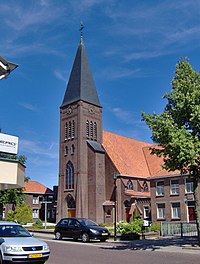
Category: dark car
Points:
column 80, row 228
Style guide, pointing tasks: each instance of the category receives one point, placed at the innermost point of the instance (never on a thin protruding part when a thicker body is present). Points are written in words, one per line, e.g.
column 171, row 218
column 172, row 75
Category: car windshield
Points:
column 13, row 231
column 87, row 222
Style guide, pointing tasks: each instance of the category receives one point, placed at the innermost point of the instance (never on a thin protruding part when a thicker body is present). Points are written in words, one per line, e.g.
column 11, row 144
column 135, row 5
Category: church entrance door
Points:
column 71, row 212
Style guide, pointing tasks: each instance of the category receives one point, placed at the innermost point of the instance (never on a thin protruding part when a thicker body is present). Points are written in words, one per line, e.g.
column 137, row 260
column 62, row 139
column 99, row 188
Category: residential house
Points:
column 41, row 199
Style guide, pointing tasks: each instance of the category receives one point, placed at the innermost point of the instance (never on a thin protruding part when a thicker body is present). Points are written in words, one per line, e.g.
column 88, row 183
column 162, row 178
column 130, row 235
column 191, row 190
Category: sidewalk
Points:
column 168, row 244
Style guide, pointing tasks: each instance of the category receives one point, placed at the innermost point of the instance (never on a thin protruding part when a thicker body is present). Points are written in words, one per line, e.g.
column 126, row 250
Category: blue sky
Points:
column 132, row 47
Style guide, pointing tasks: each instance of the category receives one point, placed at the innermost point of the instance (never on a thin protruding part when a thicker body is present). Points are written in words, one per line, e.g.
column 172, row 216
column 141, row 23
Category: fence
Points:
column 182, row 229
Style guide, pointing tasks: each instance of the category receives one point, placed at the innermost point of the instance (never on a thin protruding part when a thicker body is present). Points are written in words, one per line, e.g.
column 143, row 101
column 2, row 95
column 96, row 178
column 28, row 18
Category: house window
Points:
column 66, row 131
column 69, row 184
column 160, row 188
column 35, row 213
column 146, row 212
column 129, row 185
column 87, row 129
column 189, row 185
column 174, row 187
column 35, row 199
column 176, row 211
column 161, row 211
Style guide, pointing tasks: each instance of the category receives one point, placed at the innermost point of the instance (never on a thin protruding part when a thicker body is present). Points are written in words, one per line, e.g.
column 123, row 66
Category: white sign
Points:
column 8, row 143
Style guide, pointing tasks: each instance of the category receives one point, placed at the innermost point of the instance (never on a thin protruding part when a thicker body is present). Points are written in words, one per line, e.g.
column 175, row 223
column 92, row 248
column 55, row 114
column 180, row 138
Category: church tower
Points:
column 81, row 190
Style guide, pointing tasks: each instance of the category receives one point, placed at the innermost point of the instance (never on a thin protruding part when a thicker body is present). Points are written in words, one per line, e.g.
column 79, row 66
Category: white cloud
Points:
column 125, row 116
column 29, row 106
column 39, row 149
column 60, row 75
column 113, row 73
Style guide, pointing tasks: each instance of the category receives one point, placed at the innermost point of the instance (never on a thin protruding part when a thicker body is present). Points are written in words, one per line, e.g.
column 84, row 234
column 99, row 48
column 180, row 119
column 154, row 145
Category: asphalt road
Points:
column 67, row 251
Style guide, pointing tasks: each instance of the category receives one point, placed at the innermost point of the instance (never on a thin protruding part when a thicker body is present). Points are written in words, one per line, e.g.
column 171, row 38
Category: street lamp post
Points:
column 45, row 213
column 115, row 207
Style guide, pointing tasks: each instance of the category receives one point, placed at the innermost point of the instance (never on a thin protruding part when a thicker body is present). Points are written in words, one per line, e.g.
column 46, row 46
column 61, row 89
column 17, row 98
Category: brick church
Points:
column 90, row 157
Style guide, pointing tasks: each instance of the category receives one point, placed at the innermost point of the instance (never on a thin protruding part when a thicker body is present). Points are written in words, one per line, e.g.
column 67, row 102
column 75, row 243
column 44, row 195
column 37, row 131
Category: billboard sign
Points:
column 8, row 143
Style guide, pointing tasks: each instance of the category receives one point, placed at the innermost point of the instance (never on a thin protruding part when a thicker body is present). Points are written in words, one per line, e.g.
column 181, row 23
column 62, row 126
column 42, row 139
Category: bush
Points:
column 134, row 226
column 38, row 224
column 155, row 227
column 22, row 214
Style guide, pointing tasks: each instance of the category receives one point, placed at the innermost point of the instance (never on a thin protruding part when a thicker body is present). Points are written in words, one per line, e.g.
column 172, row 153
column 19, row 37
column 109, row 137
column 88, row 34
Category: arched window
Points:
column 69, row 184
column 70, row 130
column 95, row 131
column 87, row 129
column 129, row 185
column 66, row 131
column 72, row 149
column 91, row 130
column 73, row 129
column 145, row 186
column 66, row 150
column 70, row 201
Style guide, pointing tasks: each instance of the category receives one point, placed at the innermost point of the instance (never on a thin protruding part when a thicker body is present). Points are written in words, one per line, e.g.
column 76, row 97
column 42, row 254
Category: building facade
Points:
column 90, row 157
column 172, row 199
column 88, row 161
column 42, row 201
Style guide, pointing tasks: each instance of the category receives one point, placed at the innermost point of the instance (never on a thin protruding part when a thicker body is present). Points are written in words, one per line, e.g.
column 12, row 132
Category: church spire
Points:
column 81, row 84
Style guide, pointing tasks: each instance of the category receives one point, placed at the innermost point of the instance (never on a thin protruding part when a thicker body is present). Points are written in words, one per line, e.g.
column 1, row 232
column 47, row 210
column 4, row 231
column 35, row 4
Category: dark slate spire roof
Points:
column 81, row 84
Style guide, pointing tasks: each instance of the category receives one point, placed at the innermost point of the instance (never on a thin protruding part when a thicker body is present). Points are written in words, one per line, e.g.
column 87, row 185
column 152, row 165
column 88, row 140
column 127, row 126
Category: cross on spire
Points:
column 81, row 29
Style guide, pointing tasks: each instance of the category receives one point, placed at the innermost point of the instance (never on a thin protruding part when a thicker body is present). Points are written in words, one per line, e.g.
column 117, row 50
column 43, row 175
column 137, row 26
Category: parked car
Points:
column 80, row 228
column 17, row 245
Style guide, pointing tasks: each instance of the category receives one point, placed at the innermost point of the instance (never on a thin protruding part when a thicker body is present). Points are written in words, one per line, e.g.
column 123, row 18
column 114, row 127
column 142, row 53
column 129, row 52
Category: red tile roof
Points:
column 36, row 187
column 137, row 194
column 132, row 157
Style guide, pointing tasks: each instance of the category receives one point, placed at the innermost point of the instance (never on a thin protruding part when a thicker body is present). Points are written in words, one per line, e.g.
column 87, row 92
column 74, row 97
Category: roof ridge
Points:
column 148, row 144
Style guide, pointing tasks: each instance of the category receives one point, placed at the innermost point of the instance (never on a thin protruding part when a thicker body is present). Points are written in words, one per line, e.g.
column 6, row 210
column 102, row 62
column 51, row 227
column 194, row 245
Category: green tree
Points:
column 22, row 214
column 177, row 129
column 12, row 196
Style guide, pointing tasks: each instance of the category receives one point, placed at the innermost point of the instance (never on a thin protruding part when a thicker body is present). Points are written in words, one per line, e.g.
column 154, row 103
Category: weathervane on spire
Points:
column 81, row 29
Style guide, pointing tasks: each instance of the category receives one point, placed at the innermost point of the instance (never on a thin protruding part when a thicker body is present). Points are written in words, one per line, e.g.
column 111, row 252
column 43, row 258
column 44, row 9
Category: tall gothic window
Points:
column 70, row 130
column 95, row 131
column 73, row 129
column 87, row 129
column 69, row 184
column 66, row 131
column 91, row 129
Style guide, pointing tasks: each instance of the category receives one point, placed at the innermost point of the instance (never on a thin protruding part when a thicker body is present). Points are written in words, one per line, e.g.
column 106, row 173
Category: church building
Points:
column 91, row 157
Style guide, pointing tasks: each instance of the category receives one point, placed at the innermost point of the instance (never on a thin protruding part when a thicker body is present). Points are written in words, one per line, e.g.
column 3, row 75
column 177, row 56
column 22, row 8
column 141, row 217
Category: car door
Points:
column 63, row 228
column 74, row 228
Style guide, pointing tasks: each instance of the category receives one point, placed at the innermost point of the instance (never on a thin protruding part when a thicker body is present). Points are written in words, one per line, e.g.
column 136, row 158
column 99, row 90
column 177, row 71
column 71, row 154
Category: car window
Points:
column 87, row 222
column 64, row 222
column 72, row 222
column 13, row 231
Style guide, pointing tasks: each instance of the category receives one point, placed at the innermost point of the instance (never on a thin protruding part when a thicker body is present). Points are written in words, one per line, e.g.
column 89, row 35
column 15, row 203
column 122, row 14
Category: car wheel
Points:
column 85, row 237
column 1, row 259
column 58, row 235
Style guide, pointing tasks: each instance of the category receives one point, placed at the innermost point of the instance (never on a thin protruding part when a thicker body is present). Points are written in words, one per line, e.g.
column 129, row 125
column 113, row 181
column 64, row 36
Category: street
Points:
column 66, row 251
